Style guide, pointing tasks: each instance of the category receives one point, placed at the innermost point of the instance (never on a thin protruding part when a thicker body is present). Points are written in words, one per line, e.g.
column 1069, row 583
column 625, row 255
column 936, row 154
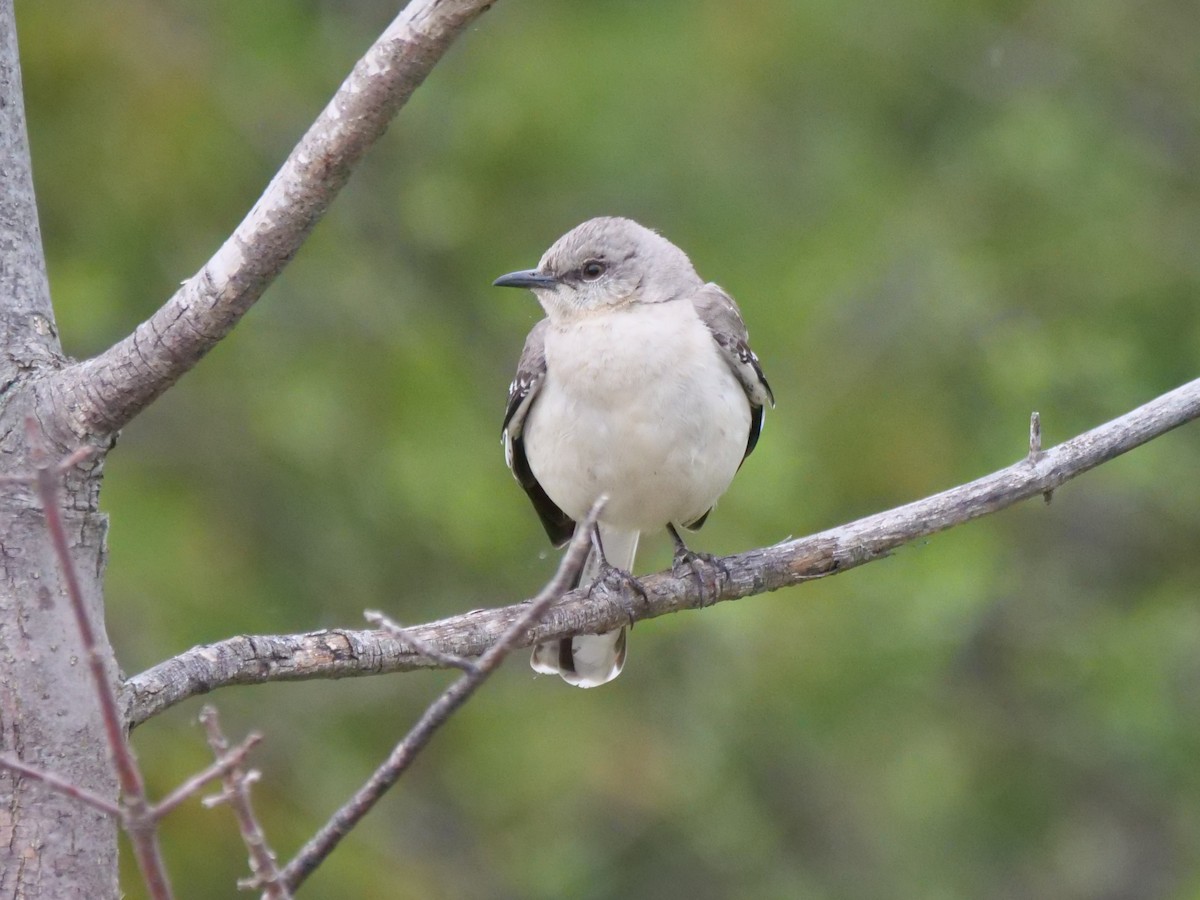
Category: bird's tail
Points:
column 590, row 660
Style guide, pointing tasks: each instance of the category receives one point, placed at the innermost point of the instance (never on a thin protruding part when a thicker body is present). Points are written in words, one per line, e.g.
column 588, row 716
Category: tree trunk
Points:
column 50, row 845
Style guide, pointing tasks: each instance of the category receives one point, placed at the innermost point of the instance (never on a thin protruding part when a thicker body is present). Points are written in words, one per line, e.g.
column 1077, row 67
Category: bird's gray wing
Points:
column 531, row 372
column 718, row 311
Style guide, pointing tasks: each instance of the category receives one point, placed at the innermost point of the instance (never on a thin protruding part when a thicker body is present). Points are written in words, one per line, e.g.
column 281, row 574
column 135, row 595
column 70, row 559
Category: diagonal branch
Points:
column 438, row 713
column 226, row 762
column 341, row 653
column 105, row 393
column 433, row 654
column 61, row 785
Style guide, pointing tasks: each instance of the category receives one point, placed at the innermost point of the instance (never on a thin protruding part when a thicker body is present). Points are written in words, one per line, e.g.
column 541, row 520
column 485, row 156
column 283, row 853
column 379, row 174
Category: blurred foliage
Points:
column 936, row 216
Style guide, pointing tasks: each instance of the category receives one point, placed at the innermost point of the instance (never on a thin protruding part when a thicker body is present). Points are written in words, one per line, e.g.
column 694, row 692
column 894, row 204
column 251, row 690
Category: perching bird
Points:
column 639, row 385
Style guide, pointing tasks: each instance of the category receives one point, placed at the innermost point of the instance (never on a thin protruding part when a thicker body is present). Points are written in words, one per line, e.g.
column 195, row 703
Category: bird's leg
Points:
column 707, row 568
column 617, row 582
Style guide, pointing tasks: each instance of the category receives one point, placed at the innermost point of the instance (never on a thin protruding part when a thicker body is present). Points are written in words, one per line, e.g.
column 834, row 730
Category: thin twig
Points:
column 219, row 769
column 438, row 712
column 1035, row 447
column 61, row 785
column 81, row 454
column 237, row 794
column 139, row 823
column 339, row 653
column 398, row 631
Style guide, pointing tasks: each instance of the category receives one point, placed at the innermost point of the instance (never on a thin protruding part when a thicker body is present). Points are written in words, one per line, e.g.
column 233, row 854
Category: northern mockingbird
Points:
column 639, row 385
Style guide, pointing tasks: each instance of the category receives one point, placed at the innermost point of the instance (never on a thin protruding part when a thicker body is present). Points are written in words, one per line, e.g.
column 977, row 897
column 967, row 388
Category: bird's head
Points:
column 604, row 263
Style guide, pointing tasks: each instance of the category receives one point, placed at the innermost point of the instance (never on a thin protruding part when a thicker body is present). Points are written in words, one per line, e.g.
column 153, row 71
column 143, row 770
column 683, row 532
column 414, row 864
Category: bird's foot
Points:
column 707, row 569
column 621, row 586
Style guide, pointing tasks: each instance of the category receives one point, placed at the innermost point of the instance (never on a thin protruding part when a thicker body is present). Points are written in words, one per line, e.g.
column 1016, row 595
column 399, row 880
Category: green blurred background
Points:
column 936, row 216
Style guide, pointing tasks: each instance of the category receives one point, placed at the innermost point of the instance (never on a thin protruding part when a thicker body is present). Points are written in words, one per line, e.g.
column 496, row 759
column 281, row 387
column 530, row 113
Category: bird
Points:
column 638, row 385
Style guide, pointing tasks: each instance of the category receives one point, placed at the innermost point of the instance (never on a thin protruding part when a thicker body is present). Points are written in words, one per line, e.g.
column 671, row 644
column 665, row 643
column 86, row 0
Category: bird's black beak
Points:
column 526, row 278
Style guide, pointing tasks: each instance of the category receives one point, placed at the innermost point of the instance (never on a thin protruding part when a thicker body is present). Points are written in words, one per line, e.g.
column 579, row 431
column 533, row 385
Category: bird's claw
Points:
column 620, row 586
column 708, row 570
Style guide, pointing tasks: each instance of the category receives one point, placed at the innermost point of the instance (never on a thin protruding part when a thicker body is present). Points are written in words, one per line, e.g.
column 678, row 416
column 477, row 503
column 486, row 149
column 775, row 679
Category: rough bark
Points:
column 50, row 845
column 253, row 659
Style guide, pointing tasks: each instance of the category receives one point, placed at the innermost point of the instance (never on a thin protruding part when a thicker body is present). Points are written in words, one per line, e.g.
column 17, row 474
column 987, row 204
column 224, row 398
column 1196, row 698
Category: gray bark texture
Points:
column 50, row 845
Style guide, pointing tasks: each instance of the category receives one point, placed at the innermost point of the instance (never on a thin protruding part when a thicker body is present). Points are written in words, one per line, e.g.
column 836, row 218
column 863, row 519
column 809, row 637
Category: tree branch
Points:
column 313, row 853
column 61, row 785
column 103, row 394
column 225, row 763
column 236, row 793
column 340, row 653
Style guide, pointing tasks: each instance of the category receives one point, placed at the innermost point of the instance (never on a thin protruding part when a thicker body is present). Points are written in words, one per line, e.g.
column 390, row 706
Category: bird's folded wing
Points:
column 720, row 314
column 531, row 372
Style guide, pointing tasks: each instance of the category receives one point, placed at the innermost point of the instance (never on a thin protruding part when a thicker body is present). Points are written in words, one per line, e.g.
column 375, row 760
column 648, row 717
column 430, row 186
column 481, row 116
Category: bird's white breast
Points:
column 637, row 404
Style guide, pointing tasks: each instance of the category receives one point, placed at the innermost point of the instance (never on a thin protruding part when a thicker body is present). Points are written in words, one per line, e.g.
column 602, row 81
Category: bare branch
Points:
column 224, row 764
column 79, row 455
column 62, row 785
column 105, row 393
column 396, row 630
column 341, row 653
column 438, row 712
column 237, row 794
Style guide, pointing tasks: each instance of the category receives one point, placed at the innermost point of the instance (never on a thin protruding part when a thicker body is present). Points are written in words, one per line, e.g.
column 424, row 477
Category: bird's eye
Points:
column 591, row 270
